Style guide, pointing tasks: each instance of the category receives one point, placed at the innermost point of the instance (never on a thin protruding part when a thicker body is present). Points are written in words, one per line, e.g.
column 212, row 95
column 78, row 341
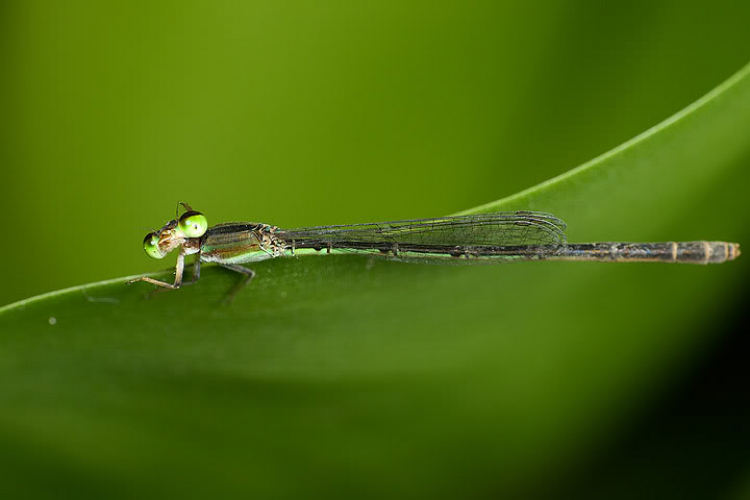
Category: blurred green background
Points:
column 305, row 113
column 325, row 375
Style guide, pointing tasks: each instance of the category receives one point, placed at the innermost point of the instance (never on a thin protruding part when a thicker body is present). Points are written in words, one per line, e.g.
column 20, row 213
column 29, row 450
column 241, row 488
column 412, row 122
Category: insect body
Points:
column 470, row 239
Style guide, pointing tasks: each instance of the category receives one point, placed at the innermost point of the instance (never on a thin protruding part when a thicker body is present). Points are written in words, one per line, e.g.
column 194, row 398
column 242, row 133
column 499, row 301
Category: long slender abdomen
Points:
column 689, row 252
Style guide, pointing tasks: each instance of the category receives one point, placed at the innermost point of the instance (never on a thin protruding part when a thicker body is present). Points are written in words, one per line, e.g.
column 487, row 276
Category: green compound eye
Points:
column 151, row 246
column 193, row 224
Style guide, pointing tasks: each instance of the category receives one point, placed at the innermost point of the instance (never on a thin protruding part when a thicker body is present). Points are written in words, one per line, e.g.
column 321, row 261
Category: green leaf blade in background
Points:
column 342, row 376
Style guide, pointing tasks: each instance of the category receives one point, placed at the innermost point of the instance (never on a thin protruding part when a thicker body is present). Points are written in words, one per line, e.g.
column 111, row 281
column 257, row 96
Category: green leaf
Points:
column 342, row 375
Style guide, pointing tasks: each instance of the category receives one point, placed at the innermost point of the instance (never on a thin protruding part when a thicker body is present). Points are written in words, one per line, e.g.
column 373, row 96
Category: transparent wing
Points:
column 497, row 229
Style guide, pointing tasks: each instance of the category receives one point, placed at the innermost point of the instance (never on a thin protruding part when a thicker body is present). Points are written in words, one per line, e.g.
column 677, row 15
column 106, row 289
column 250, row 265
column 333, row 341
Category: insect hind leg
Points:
column 248, row 275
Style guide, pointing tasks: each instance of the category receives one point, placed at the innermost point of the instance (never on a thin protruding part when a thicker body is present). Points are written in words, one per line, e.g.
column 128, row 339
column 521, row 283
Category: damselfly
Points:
column 468, row 239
